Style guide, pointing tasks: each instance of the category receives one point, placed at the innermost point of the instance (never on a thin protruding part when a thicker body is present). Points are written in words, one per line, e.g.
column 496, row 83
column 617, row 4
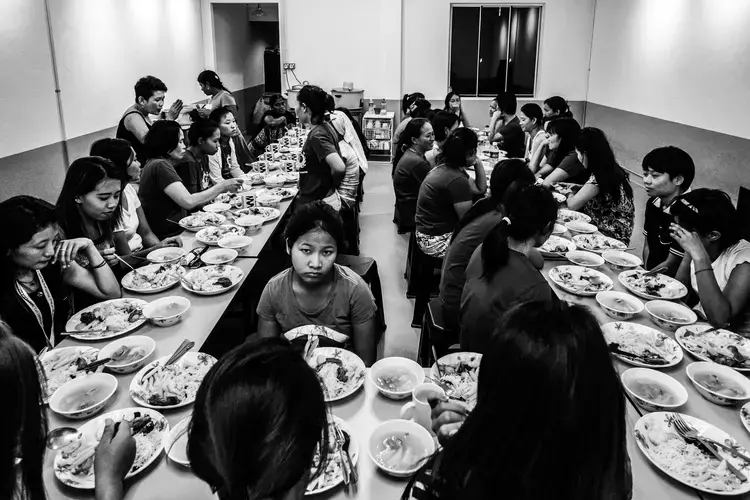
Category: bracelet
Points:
column 704, row 269
column 98, row 266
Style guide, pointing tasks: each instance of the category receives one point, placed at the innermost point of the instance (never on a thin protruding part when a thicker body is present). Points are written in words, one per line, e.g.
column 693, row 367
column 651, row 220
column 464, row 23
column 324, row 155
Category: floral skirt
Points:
column 434, row 246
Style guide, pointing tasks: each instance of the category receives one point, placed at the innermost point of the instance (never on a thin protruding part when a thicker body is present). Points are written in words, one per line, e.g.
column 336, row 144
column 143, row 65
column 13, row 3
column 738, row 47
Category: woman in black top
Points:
column 505, row 127
column 39, row 268
column 564, row 165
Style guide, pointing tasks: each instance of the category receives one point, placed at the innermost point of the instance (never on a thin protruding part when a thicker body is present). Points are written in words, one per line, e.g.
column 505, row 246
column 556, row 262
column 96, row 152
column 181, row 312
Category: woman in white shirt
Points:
column 716, row 265
column 224, row 164
column 531, row 123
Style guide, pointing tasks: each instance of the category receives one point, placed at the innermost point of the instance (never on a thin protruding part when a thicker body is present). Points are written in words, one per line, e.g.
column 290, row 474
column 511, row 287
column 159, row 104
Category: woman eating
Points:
column 223, row 164
column 316, row 290
column 409, row 105
column 324, row 168
column 564, row 165
column 443, row 123
column 716, row 265
column 266, row 382
column 164, row 197
column 531, row 120
column 453, row 105
column 132, row 235
column 471, row 231
column 40, row 268
column 273, row 125
column 218, row 95
column 203, row 137
column 447, row 193
column 607, row 196
column 505, row 127
column 501, row 272
column 571, row 405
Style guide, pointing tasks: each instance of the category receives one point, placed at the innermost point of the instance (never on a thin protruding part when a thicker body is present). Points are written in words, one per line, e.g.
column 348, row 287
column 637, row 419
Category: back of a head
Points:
column 442, row 122
column 458, row 146
column 560, row 105
column 412, row 131
column 707, row 210
column 533, row 112
column 673, row 161
column 23, row 422
column 409, row 99
column 163, row 137
column 118, row 151
column 315, row 99
column 506, row 102
column 420, row 108
column 553, row 359
column 259, row 415
column 146, row 87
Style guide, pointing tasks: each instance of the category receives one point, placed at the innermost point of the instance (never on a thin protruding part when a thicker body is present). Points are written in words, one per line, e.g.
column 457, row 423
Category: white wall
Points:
column 683, row 61
column 104, row 46
column 231, row 38
column 563, row 56
column 29, row 109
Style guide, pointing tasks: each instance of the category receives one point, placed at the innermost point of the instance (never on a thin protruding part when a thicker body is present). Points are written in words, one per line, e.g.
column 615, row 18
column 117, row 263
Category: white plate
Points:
column 625, row 333
column 577, row 280
column 315, row 330
column 333, row 475
column 267, row 213
column 564, row 215
column 201, row 275
column 333, row 389
column 173, row 271
column 559, row 229
column 233, row 199
column 254, row 178
column 284, row 192
column 177, row 441
column 75, row 321
column 719, row 341
column 652, row 431
column 217, row 207
column 211, row 235
column 555, row 242
column 200, row 220
column 597, row 243
column 464, row 385
column 68, row 371
column 91, row 433
column 197, row 362
column 672, row 289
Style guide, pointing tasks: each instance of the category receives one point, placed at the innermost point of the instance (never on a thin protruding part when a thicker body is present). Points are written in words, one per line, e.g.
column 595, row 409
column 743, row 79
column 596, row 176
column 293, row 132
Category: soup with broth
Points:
column 720, row 385
column 653, row 392
column 397, row 379
column 84, row 397
column 400, row 451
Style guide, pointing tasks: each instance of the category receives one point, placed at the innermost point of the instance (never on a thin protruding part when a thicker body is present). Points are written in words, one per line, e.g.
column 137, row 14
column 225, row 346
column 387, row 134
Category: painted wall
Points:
column 231, row 38
column 687, row 62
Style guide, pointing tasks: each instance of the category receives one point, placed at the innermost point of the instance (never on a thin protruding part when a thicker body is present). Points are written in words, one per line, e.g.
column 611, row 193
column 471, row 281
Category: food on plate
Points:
column 460, row 373
column 720, row 385
column 213, row 234
column 555, row 244
column 84, row 397
column 124, row 355
column 559, row 197
column 598, row 243
column 202, row 219
column 275, row 179
column 176, row 384
column 254, row 177
column 563, row 188
column 656, row 286
column 340, row 371
column 397, row 379
column 720, row 346
column 580, row 279
column 212, row 279
column 265, row 212
column 153, row 276
column 672, row 316
column 400, row 452
column 278, row 191
column 564, row 216
column 63, row 365
column 642, row 344
column 653, row 391
column 618, row 304
column 113, row 316
column 332, row 474
column 234, row 199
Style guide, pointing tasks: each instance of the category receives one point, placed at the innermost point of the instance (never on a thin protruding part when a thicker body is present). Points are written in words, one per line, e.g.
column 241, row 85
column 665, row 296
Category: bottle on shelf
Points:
column 383, row 106
column 371, row 107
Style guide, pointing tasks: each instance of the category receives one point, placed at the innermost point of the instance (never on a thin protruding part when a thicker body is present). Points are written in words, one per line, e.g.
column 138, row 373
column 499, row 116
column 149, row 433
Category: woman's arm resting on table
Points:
column 365, row 341
column 588, row 192
column 99, row 282
column 180, row 195
column 557, row 175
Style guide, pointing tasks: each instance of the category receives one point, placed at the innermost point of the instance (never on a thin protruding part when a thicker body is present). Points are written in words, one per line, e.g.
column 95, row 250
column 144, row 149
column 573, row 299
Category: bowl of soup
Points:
column 654, row 390
column 219, row 256
column 583, row 258
column 718, row 383
column 128, row 354
column 235, row 242
column 250, row 222
column 395, row 377
column 83, row 397
column 670, row 315
column 400, row 447
column 269, row 200
column 166, row 311
column 621, row 261
column 166, row 255
column 618, row 305
column 580, row 227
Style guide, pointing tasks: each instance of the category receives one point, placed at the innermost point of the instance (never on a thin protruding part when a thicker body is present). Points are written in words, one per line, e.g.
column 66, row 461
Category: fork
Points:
column 131, row 267
column 342, row 456
column 655, row 271
column 689, row 433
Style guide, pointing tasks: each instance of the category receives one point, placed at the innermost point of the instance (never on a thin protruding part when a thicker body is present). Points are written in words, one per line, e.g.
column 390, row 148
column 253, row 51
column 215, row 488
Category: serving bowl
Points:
column 166, row 255
column 584, row 258
column 734, row 387
column 138, row 341
column 580, row 227
column 217, row 208
column 396, row 377
column 621, row 261
column 238, row 243
column 268, row 200
column 251, row 222
column 103, row 386
column 166, row 311
column 619, row 305
column 416, row 442
column 670, row 315
column 639, row 381
column 218, row 256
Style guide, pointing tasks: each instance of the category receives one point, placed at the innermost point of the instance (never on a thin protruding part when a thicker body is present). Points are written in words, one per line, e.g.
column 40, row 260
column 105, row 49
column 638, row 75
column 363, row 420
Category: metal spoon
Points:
column 61, row 437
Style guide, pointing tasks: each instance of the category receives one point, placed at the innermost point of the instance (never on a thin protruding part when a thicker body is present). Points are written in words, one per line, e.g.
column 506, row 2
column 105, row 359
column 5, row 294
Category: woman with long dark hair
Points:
column 218, row 95
column 556, row 107
column 563, row 164
column 447, row 192
column 471, row 231
column 324, row 168
column 453, row 105
column 24, row 431
column 607, row 196
column 412, row 106
column 443, row 123
column 532, row 122
column 267, row 383
column 574, row 407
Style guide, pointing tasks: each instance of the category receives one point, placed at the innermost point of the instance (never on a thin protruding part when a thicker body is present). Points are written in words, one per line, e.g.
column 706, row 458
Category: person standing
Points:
column 218, row 95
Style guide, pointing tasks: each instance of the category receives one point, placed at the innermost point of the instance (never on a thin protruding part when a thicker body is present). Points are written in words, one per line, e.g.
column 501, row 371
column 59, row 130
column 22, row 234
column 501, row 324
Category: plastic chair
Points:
column 367, row 269
column 435, row 340
column 422, row 280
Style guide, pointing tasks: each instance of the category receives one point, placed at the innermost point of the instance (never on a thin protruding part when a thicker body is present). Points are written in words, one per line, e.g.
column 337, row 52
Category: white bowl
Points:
column 177, row 441
column 577, row 226
column 657, row 309
column 166, row 255
column 605, row 298
column 617, row 260
column 146, row 343
column 251, row 222
column 701, row 368
column 274, row 180
column 268, row 200
column 398, row 428
column 584, row 258
column 239, row 243
column 397, row 366
column 106, row 384
column 219, row 256
column 217, row 208
column 166, row 311
column 633, row 375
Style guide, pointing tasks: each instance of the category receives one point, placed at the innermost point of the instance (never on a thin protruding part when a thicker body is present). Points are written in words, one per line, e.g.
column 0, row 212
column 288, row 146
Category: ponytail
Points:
column 315, row 99
column 211, row 79
column 495, row 250
column 408, row 100
column 457, row 147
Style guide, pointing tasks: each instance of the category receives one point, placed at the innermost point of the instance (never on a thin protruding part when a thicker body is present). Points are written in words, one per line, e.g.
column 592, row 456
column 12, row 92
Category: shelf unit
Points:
column 378, row 130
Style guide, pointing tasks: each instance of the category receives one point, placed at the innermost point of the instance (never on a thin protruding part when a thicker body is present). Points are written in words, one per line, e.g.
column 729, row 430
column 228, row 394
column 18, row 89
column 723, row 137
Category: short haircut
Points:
column 443, row 120
column 201, row 128
column 672, row 161
column 118, row 151
column 219, row 113
column 162, row 138
column 148, row 86
column 506, row 102
column 311, row 216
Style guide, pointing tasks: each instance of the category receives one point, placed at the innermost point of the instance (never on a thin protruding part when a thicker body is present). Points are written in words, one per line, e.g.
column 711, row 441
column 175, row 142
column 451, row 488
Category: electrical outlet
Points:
column 285, row 66
column 292, row 65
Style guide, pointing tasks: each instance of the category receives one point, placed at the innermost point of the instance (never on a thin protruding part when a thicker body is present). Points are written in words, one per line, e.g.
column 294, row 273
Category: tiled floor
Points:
column 380, row 241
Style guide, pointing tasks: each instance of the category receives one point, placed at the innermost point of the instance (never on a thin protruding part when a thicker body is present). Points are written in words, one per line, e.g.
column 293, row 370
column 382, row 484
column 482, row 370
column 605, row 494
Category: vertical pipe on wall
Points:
column 58, row 96
column 588, row 72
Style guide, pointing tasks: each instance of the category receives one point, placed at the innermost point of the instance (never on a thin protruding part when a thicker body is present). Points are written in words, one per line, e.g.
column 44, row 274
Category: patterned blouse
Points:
column 613, row 218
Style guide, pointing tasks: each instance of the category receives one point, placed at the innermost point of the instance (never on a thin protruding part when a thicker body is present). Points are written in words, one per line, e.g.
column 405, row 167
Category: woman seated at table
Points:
column 223, row 164
column 553, row 361
column 273, row 126
column 607, row 196
column 447, row 192
column 532, row 121
column 443, row 123
column 409, row 106
column 203, row 137
column 411, row 168
column 563, row 164
column 471, row 232
column 556, row 107
column 716, row 265
column 39, row 268
column 316, row 290
column 267, row 383
column 501, row 272
column 218, row 95
column 164, row 197
column 505, row 128
column 453, row 106
column 132, row 235
column 24, row 431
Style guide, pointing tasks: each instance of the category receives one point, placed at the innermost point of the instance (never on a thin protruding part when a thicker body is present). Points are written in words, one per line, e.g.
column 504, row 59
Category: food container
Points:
column 104, row 384
column 166, row 311
column 409, row 373
column 166, row 255
column 260, row 166
column 251, row 222
column 412, row 435
column 621, row 261
column 268, row 200
column 583, row 258
column 721, row 378
column 218, row 256
column 289, row 166
column 140, row 341
column 239, row 243
column 670, row 315
column 618, row 305
column 656, row 383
